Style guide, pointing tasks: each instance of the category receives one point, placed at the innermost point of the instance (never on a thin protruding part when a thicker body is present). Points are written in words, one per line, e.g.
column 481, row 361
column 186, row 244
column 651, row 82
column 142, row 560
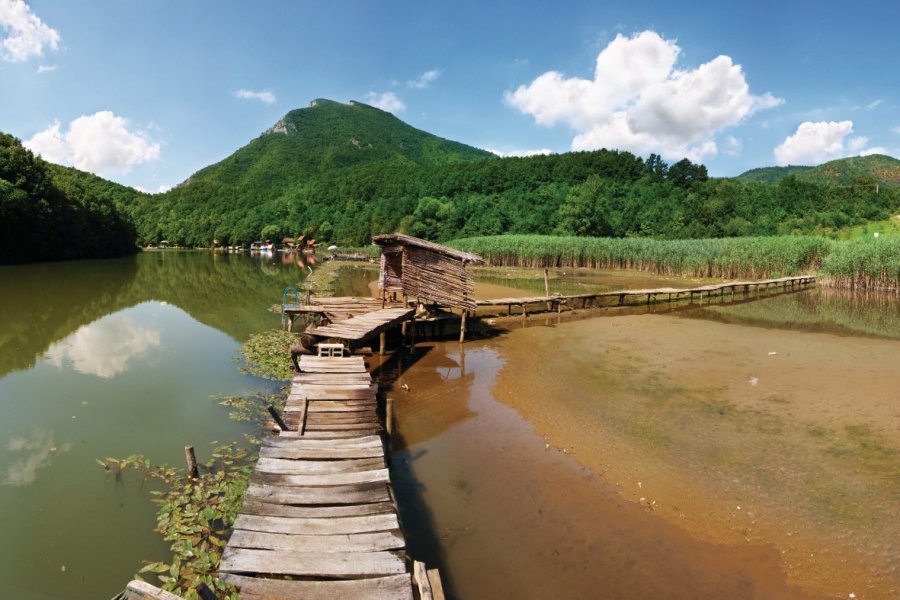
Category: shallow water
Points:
column 604, row 454
column 740, row 427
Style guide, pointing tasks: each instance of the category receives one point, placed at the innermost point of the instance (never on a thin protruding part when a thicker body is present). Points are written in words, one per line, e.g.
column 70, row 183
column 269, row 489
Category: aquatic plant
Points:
column 196, row 515
column 266, row 354
column 864, row 263
column 750, row 257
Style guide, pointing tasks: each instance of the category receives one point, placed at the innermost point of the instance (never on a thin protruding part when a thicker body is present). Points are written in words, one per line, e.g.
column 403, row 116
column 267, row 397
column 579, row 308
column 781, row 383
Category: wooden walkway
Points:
column 336, row 308
column 365, row 326
column 556, row 301
column 319, row 507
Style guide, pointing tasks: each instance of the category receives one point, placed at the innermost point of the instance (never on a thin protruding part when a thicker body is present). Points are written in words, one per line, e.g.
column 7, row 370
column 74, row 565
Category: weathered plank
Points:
column 318, row 525
column 141, row 590
column 348, row 542
column 311, row 564
column 393, row 587
column 337, row 494
column 267, row 509
column 281, row 441
column 317, row 453
column 322, row 479
column 311, row 467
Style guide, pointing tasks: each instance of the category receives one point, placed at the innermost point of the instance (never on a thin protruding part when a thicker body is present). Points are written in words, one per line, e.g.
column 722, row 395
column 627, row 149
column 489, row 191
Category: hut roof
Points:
column 389, row 239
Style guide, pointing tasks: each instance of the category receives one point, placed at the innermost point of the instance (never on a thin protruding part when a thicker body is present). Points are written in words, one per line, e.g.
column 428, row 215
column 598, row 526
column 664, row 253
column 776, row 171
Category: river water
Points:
column 733, row 450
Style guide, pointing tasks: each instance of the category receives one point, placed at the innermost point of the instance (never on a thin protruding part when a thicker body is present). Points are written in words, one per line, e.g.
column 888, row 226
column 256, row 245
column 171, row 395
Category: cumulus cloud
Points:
column 816, row 142
column 46, row 69
column 638, row 100
column 264, row 96
column 424, row 80
column 388, row 101
column 505, row 153
column 24, row 34
column 100, row 143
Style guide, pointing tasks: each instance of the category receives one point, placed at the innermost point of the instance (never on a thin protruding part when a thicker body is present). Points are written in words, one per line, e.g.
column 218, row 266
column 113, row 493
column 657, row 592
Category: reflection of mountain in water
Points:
column 47, row 302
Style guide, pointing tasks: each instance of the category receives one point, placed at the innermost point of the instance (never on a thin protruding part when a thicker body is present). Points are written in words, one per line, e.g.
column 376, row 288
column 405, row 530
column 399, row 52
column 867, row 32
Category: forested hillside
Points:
column 344, row 172
column 48, row 212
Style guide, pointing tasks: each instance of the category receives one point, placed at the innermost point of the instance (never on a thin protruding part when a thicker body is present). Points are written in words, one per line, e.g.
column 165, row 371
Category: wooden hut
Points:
column 426, row 271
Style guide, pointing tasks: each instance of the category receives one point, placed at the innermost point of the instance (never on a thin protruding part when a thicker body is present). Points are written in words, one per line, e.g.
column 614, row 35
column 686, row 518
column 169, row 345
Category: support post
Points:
column 382, row 342
column 546, row 283
column 389, row 416
column 193, row 471
column 462, row 326
column 278, row 420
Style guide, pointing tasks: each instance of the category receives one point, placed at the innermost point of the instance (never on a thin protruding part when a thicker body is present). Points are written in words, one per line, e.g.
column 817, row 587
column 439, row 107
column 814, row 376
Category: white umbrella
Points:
column 332, row 247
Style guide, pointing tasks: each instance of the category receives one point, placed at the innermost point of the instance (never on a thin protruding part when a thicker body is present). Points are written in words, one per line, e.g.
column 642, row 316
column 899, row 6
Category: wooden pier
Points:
column 555, row 302
column 319, row 518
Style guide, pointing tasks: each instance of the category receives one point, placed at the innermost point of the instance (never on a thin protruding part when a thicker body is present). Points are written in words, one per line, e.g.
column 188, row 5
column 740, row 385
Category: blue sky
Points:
column 146, row 93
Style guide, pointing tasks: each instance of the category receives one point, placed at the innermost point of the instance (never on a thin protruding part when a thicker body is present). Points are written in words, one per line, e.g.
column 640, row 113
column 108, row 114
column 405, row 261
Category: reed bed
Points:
column 751, row 257
column 867, row 263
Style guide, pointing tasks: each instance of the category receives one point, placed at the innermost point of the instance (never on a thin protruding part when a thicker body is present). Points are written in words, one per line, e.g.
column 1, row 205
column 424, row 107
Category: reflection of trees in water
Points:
column 44, row 303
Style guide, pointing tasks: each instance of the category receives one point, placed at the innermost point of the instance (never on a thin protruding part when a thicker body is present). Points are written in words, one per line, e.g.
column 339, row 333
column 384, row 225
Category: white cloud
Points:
column 814, row 143
column 25, row 35
column 505, row 153
column 160, row 190
column 388, row 101
column 639, row 101
column 424, row 80
column 105, row 347
column 31, row 455
column 874, row 150
column 733, row 146
column 874, row 104
column 101, row 143
column 264, row 96
column 47, row 69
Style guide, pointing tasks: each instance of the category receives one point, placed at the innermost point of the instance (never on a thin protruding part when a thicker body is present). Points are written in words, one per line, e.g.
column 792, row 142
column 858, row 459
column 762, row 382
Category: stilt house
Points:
column 426, row 271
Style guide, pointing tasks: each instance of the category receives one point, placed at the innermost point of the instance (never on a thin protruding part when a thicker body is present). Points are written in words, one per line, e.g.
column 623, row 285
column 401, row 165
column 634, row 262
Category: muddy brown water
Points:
column 710, row 452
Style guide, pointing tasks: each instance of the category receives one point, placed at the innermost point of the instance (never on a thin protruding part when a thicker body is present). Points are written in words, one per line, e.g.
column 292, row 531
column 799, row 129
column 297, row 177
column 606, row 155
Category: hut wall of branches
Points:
column 430, row 272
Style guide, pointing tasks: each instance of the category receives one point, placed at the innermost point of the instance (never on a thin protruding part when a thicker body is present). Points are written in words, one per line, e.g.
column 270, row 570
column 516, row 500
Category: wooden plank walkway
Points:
column 336, row 308
column 364, row 326
column 556, row 301
column 319, row 507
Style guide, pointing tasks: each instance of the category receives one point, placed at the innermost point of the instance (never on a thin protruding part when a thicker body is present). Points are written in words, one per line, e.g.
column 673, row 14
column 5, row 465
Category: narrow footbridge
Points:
column 319, row 518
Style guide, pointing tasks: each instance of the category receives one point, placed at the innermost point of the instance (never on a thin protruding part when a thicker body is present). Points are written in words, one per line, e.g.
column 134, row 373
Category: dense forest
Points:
column 48, row 212
column 342, row 173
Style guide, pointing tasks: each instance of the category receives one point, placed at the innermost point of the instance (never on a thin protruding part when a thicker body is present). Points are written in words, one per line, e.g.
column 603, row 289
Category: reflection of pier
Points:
column 319, row 518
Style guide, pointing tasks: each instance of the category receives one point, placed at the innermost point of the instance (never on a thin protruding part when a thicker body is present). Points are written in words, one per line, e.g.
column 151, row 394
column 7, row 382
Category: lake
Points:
column 730, row 450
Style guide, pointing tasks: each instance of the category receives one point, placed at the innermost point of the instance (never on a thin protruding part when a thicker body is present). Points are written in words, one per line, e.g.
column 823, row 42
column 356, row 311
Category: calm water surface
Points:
column 736, row 450
column 111, row 358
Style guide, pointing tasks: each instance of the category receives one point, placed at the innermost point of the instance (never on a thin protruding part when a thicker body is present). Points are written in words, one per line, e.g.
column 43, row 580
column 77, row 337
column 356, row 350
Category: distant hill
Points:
column 329, row 135
column 49, row 212
column 877, row 168
column 844, row 171
column 771, row 174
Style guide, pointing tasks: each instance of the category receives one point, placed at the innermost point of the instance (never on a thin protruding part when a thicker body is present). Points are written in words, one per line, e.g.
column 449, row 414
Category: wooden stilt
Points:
column 191, row 459
column 462, row 326
column 382, row 343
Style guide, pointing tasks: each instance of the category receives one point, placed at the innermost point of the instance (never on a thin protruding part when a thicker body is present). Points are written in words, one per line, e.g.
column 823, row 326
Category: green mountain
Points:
column 875, row 168
column 49, row 212
column 771, row 174
column 270, row 181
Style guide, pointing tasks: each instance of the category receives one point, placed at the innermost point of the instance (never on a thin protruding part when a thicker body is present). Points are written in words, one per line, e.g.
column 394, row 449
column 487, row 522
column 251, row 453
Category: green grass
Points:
column 752, row 257
column 864, row 263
